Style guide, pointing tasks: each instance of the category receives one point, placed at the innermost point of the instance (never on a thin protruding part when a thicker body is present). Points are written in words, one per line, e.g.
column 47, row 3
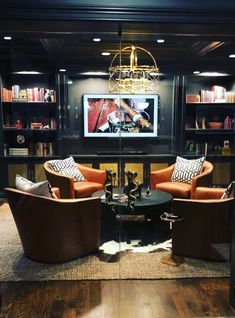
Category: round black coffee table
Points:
column 142, row 223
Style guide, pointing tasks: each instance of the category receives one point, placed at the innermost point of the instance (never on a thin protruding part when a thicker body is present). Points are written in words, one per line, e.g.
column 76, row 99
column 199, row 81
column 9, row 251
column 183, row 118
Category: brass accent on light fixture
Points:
column 133, row 78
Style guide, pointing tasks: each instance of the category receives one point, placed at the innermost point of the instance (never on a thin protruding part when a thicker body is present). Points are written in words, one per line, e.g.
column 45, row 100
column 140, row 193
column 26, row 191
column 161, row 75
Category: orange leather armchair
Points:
column 205, row 231
column 161, row 180
column 55, row 230
column 71, row 189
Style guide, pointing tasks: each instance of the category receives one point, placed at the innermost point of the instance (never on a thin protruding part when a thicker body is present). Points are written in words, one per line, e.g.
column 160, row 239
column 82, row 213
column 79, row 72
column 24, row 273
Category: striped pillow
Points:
column 68, row 168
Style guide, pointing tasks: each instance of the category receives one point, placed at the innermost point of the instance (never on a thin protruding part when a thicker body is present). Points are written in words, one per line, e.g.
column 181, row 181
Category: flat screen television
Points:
column 110, row 115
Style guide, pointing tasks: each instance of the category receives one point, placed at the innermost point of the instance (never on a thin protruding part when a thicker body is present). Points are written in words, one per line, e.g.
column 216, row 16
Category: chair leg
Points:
column 172, row 260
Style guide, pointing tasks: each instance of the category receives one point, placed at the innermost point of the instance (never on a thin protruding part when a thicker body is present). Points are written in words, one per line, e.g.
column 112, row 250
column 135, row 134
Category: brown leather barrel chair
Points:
column 69, row 188
column 205, row 229
column 55, row 230
column 161, row 180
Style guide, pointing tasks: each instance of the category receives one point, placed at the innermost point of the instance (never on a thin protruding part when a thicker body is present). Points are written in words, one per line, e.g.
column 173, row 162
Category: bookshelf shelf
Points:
column 210, row 131
column 28, row 102
column 211, row 104
column 28, row 129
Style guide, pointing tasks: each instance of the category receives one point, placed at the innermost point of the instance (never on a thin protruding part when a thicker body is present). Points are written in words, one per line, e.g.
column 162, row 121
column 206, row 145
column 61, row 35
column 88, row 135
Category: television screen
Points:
column 120, row 116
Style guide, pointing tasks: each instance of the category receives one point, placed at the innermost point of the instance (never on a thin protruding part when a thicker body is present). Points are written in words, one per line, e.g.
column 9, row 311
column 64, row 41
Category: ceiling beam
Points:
column 210, row 47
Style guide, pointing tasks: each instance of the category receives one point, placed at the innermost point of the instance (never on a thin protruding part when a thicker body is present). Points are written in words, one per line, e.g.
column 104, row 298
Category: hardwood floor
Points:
column 181, row 298
column 117, row 299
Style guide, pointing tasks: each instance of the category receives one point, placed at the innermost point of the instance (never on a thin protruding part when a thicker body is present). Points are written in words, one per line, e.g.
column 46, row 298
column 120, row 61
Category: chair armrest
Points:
column 91, row 174
column 162, row 175
column 208, row 193
column 56, row 192
column 202, row 180
column 188, row 202
column 65, row 184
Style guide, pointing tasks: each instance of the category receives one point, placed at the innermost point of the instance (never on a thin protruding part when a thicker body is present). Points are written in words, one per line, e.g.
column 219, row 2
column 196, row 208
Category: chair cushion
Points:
column 186, row 169
column 85, row 189
column 40, row 188
column 67, row 167
column 177, row 189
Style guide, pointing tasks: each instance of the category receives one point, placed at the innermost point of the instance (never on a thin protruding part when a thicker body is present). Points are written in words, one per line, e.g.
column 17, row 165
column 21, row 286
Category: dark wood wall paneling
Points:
column 74, row 142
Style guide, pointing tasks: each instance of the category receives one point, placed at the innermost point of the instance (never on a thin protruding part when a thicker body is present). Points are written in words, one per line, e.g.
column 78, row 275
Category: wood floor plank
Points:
column 181, row 298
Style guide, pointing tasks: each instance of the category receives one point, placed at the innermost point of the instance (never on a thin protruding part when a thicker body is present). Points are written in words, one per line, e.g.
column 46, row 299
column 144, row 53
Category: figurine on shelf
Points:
column 47, row 96
column 226, row 150
column 23, row 95
column 132, row 188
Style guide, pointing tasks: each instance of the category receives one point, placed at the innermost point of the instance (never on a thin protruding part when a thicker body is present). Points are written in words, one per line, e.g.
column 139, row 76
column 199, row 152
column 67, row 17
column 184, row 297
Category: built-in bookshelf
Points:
column 209, row 118
column 29, row 116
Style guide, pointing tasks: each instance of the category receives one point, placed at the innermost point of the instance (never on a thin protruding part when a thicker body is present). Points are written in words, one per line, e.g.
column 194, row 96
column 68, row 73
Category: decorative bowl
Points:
column 215, row 124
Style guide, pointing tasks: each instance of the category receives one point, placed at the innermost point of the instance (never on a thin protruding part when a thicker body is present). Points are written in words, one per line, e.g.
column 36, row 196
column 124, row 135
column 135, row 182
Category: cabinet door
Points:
column 113, row 166
column 158, row 166
column 39, row 173
column 89, row 165
column 13, row 169
column 221, row 173
column 136, row 167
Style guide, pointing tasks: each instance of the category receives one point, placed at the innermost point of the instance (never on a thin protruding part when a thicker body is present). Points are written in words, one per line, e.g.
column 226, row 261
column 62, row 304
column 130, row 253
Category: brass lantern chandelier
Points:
column 133, row 78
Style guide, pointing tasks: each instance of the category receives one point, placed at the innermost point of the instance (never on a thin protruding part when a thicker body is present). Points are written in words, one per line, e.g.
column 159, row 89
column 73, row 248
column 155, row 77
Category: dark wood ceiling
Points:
column 49, row 45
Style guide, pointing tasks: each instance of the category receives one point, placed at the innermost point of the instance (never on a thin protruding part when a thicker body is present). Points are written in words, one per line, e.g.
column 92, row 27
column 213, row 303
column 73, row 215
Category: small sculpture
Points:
column 47, row 96
column 23, row 95
column 132, row 188
column 148, row 192
column 108, row 186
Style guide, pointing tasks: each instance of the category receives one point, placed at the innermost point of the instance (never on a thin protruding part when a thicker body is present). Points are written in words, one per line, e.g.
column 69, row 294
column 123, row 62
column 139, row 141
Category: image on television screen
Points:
column 120, row 115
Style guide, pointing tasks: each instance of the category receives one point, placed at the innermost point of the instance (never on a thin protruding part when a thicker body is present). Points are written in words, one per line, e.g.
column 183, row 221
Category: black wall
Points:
column 74, row 142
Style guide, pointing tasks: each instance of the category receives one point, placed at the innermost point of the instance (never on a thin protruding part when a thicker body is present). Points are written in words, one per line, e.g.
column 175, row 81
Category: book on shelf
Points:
column 230, row 97
column 207, row 96
column 219, row 94
column 41, row 149
column 41, row 93
column 193, row 99
column 18, row 151
column 15, row 92
column 6, row 95
column 34, row 94
column 228, row 123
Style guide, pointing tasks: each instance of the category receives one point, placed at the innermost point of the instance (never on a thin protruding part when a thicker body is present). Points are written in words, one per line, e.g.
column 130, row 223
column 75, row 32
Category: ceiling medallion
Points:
column 133, row 78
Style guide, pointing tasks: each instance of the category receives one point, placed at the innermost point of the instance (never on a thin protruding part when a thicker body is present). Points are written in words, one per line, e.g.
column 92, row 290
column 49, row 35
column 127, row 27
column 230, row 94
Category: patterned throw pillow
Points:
column 40, row 188
column 68, row 168
column 186, row 169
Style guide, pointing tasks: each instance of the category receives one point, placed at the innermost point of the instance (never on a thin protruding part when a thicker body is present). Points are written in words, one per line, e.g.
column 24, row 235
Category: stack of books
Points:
column 18, row 152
